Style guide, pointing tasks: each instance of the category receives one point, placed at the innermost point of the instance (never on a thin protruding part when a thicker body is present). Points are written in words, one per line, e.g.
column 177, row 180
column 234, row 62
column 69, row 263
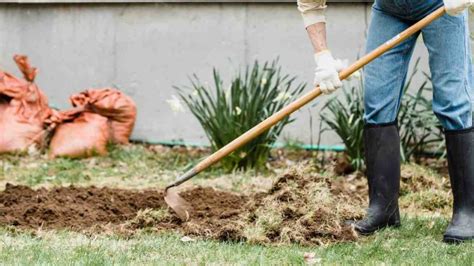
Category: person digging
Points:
column 447, row 41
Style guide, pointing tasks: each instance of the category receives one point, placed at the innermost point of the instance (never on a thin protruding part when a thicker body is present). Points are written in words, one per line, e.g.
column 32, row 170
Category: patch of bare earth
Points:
column 299, row 208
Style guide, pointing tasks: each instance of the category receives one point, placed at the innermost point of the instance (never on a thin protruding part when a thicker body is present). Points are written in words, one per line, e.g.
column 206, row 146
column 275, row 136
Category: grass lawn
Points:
column 418, row 241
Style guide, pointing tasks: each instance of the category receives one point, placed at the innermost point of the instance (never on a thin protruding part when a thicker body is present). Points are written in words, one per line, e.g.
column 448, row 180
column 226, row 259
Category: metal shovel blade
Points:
column 180, row 206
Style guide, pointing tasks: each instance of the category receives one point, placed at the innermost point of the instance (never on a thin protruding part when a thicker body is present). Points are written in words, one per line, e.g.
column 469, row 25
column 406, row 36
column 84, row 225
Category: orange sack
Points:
column 23, row 109
column 79, row 134
column 119, row 108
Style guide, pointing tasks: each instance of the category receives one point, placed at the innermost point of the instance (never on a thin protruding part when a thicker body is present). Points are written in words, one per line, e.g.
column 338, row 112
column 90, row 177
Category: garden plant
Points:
column 230, row 109
column 420, row 131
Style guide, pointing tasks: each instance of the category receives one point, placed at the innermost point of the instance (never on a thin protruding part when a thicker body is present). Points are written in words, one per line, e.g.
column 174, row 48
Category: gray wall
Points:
column 145, row 49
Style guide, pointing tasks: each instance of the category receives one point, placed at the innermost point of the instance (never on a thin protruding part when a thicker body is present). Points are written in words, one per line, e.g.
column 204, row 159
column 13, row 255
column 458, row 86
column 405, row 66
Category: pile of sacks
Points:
column 97, row 117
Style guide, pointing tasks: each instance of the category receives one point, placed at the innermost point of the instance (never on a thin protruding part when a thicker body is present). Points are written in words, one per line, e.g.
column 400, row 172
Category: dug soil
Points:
column 299, row 208
column 83, row 207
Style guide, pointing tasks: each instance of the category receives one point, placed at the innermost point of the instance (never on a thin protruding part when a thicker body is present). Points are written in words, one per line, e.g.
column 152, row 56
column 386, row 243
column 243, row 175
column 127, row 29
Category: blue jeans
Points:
column 447, row 41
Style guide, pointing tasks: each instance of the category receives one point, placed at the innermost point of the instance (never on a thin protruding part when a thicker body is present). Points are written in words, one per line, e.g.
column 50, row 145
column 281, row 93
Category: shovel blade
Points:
column 180, row 206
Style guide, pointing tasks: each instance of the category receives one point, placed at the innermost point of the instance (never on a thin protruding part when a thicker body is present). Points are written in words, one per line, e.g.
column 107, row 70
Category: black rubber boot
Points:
column 460, row 147
column 382, row 154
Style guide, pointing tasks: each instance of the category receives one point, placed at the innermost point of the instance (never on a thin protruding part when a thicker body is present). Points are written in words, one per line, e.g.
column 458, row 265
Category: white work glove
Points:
column 326, row 74
column 456, row 7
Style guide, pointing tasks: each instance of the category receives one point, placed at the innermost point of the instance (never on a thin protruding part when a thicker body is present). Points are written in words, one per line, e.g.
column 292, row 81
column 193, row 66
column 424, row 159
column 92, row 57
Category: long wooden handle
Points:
column 297, row 104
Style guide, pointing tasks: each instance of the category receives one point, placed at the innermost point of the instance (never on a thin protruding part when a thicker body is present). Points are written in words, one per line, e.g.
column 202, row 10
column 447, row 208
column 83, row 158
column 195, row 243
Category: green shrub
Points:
column 228, row 112
column 420, row 131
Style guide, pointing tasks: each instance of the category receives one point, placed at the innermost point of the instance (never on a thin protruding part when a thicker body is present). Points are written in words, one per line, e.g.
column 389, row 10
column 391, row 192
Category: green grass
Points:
column 134, row 166
column 121, row 163
column 417, row 242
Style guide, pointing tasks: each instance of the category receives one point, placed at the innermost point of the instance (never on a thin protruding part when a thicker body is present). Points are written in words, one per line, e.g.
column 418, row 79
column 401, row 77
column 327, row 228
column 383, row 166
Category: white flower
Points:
column 263, row 81
column 175, row 104
column 238, row 111
column 282, row 96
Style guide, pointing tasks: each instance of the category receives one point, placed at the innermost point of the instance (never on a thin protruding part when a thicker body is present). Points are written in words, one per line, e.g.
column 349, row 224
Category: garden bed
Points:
column 297, row 209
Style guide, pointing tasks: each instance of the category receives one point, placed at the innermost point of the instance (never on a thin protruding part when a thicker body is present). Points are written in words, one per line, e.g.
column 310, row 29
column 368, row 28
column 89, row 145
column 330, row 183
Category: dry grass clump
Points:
column 300, row 208
column 423, row 192
column 148, row 218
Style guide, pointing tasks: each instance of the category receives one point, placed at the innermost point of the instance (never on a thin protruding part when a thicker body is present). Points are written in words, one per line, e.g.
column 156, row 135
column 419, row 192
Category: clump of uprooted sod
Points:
column 301, row 207
column 424, row 192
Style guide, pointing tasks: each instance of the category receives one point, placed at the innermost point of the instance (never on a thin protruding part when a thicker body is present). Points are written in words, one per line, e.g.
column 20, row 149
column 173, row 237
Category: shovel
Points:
column 183, row 209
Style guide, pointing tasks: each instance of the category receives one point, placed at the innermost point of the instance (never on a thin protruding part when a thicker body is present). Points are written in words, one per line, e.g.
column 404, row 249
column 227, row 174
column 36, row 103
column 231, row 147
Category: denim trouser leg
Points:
column 385, row 76
column 447, row 40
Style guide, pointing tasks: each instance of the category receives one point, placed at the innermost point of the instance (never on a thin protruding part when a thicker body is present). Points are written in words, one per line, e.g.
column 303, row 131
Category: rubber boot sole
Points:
column 369, row 231
column 456, row 240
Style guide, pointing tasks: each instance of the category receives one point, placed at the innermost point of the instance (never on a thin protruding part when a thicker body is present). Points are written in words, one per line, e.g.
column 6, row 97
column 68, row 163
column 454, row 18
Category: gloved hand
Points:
column 326, row 74
column 456, row 7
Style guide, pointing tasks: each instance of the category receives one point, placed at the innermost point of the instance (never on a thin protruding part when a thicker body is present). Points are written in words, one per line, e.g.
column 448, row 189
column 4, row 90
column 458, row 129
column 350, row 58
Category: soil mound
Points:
column 299, row 208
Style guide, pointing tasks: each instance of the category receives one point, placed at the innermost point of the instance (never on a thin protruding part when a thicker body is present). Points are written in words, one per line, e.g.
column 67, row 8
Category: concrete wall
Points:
column 145, row 49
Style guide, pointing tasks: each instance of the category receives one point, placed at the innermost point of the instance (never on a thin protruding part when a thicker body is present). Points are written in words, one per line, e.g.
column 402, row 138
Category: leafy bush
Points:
column 420, row 131
column 229, row 112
